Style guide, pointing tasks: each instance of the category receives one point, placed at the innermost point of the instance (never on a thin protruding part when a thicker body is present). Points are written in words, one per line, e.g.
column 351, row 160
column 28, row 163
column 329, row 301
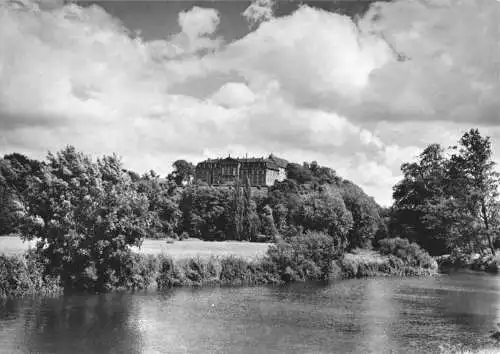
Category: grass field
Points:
column 12, row 245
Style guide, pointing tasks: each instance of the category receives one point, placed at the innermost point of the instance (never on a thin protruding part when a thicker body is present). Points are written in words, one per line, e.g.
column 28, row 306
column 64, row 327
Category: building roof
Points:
column 272, row 162
column 280, row 162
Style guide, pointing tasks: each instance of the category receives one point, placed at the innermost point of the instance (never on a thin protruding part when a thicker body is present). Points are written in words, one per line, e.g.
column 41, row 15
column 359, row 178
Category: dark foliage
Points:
column 447, row 201
column 304, row 256
column 410, row 253
column 25, row 275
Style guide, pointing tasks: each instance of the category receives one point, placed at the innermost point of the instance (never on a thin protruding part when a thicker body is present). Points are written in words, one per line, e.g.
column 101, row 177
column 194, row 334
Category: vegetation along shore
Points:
column 89, row 217
column 309, row 256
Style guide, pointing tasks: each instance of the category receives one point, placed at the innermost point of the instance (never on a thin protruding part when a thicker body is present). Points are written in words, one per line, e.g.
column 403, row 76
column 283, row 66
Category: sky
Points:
column 359, row 86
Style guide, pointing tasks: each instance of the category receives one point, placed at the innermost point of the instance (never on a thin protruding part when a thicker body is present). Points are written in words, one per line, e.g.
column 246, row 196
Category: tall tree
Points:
column 449, row 203
column 85, row 215
column 365, row 214
column 163, row 197
column 237, row 211
column 249, row 213
column 476, row 181
column 420, row 202
column 183, row 172
column 268, row 226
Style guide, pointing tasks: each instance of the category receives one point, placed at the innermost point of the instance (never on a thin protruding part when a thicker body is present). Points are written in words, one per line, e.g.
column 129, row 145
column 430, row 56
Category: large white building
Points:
column 259, row 171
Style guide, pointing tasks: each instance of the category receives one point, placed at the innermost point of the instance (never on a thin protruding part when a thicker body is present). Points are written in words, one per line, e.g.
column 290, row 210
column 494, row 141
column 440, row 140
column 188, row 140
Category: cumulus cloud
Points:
column 360, row 97
column 76, row 72
column 233, row 94
column 199, row 21
column 197, row 36
column 403, row 61
column 197, row 24
column 259, row 11
column 315, row 55
column 452, row 68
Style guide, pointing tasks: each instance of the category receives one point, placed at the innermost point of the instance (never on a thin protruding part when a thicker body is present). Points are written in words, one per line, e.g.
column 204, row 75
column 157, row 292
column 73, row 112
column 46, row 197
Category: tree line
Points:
column 86, row 213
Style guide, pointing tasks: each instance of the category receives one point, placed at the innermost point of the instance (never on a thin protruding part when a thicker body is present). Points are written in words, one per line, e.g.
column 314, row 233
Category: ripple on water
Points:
column 377, row 315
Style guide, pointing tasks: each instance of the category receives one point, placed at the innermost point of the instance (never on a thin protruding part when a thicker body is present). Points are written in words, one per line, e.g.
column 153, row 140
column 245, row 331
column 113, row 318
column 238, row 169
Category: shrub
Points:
column 137, row 271
column 24, row 275
column 165, row 278
column 304, row 256
column 235, row 270
column 363, row 263
column 213, row 271
column 410, row 253
column 198, row 271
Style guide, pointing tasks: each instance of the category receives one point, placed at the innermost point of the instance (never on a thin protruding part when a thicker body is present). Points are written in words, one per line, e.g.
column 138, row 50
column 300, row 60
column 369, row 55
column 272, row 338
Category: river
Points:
column 377, row 315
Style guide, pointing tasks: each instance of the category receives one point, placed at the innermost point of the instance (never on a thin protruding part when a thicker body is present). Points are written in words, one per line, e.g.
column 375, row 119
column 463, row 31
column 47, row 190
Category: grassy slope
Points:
column 13, row 245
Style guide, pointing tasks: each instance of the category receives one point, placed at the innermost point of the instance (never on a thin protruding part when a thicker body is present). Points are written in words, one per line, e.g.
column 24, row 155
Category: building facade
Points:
column 259, row 171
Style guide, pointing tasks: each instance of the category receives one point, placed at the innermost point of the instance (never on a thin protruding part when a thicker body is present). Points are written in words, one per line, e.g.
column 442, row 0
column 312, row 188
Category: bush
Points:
column 304, row 256
column 410, row 253
column 235, row 270
column 136, row 272
column 165, row 278
column 214, row 271
column 364, row 263
column 24, row 275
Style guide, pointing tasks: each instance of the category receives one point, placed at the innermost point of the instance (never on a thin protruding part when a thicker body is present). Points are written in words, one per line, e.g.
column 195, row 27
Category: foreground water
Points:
column 355, row 316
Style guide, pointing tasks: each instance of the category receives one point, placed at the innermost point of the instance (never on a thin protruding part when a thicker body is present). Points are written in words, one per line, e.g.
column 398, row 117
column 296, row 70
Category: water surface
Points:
column 379, row 315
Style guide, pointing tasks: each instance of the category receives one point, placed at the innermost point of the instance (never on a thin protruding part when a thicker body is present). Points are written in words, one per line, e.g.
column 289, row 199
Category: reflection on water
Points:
column 355, row 316
column 93, row 324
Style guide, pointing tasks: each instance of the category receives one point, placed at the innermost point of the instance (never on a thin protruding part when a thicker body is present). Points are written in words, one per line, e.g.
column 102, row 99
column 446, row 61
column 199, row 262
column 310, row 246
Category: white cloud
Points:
column 452, row 71
column 233, row 94
column 313, row 54
column 317, row 86
column 259, row 11
column 199, row 21
column 196, row 25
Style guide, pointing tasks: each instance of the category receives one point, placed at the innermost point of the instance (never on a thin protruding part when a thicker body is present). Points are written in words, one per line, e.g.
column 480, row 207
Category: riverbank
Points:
column 484, row 263
column 369, row 315
column 300, row 259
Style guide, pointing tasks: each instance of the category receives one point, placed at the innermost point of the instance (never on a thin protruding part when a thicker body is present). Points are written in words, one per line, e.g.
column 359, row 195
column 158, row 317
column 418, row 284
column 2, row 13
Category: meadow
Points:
column 12, row 245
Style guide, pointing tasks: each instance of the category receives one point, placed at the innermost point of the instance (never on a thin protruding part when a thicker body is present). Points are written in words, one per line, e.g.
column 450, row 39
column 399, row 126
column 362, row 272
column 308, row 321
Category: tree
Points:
column 476, row 181
column 324, row 211
column 85, row 216
column 250, row 219
column 301, row 174
column 364, row 211
column 163, row 197
column 449, row 204
column 15, row 169
column 421, row 203
column 237, row 211
column 267, row 222
column 183, row 172
column 207, row 213
column 280, row 212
